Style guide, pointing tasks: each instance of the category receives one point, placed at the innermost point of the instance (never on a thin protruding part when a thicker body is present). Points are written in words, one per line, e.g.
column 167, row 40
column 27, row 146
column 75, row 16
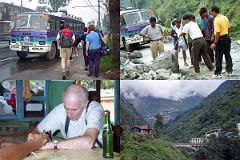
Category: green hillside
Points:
column 166, row 9
column 219, row 110
column 136, row 147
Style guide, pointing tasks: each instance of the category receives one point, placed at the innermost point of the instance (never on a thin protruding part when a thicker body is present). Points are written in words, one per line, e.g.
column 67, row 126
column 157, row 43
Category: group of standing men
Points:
column 91, row 43
column 209, row 33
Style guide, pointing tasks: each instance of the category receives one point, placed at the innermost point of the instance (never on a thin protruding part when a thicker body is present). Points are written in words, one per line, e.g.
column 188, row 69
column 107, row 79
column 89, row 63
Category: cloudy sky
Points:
column 87, row 13
column 170, row 89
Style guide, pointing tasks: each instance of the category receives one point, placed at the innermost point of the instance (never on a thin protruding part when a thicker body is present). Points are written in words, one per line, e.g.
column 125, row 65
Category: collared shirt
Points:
column 56, row 119
column 209, row 27
column 193, row 30
column 153, row 33
column 94, row 40
column 221, row 24
column 181, row 41
column 201, row 23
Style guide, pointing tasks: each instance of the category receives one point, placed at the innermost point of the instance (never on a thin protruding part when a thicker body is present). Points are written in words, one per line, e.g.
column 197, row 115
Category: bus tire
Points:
column 128, row 47
column 51, row 55
column 22, row 55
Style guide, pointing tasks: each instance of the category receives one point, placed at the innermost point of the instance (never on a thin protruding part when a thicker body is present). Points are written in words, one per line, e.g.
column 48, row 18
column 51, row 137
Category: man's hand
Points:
column 161, row 38
column 213, row 46
column 38, row 139
column 49, row 145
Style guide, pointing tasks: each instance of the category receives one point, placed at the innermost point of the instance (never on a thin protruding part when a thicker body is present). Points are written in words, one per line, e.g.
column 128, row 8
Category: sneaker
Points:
column 89, row 74
column 96, row 75
column 196, row 75
column 185, row 64
column 86, row 68
column 216, row 76
column 71, row 59
column 74, row 56
column 77, row 55
column 67, row 73
column 228, row 74
column 191, row 66
column 63, row 75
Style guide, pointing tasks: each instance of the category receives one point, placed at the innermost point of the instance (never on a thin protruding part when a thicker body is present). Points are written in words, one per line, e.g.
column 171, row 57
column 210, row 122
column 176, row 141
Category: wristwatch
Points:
column 55, row 142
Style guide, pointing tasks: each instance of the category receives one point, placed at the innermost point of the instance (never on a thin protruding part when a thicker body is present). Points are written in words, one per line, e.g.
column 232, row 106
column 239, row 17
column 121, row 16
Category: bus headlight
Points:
column 13, row 41
column 41, row 42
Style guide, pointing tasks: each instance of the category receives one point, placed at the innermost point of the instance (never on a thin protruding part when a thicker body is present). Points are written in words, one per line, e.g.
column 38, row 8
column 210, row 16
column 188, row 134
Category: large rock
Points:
column 166, row 60
column 142, row 69
column 238, row 42
column 163, row 74
column 135, row 54
column 137, row 61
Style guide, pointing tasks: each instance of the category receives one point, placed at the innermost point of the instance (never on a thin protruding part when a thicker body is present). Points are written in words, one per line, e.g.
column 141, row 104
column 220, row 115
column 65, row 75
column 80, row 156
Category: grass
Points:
column 107, row 63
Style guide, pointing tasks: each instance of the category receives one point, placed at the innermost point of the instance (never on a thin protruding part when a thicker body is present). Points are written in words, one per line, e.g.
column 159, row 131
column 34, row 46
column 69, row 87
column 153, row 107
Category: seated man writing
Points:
column 80, row 121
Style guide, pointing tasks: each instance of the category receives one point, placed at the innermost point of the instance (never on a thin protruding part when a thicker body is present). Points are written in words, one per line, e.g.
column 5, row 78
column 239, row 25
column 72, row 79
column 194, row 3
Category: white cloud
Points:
column 170, row 89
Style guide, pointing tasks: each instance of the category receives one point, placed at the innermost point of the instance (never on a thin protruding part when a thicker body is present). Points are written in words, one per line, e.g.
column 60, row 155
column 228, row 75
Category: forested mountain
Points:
column 219, row 110
column 129, row 115
column 166, row 9
column 148, row 106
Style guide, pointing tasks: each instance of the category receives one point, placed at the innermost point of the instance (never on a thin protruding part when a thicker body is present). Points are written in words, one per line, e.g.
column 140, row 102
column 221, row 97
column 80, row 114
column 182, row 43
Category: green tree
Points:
column 221, row 148
column 55, row 4
column 42, row 8
column 158, row 125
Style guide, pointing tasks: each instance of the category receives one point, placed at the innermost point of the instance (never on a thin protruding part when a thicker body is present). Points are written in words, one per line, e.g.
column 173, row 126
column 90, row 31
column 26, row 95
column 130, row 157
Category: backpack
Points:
column 66, row 38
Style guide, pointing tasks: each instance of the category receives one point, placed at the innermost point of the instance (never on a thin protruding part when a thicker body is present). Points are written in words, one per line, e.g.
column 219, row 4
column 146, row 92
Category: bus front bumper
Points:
column 37, row 49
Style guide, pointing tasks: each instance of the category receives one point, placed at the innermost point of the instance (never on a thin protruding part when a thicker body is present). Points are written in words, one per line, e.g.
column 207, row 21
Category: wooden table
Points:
column 83, row 154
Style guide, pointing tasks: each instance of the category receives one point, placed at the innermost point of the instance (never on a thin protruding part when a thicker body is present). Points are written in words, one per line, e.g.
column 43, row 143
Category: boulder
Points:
column 137, row 61
column 138, row 54
column 166, row 60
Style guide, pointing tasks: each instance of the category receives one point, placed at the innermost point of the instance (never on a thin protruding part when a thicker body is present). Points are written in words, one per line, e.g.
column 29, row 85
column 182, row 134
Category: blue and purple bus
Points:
column 35, row 33
column 131, row 23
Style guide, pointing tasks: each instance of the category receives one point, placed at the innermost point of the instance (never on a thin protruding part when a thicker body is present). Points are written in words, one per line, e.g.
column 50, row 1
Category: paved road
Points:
column 37, row 67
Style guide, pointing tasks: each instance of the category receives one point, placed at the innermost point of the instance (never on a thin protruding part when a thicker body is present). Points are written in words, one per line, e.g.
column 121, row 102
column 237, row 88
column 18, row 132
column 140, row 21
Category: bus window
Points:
column 36, row 22
column 57, row 25
column 52, row 24
column 21, row 21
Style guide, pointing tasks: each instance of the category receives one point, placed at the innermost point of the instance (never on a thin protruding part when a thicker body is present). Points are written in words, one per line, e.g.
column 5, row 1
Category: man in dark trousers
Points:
column 222, row 42
column 83, row 41
column 209, row 30
column 199, row 46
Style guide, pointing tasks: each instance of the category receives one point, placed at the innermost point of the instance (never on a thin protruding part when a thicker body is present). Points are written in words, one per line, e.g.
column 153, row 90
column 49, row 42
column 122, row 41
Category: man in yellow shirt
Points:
column 222, row 42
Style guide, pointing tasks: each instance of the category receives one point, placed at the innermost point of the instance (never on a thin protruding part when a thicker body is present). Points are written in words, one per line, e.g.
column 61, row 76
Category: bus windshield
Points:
column 33, row 21
column 136, row 17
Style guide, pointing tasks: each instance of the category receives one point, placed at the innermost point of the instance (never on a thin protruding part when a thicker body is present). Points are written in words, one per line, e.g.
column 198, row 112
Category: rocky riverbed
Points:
column 139, row 65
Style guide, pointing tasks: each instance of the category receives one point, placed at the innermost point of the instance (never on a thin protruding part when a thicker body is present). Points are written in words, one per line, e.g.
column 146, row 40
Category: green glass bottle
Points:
column 107, row 136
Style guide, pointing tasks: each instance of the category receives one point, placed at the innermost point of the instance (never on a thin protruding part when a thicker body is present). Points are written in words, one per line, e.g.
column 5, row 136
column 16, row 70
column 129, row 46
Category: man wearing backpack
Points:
column 65, row 39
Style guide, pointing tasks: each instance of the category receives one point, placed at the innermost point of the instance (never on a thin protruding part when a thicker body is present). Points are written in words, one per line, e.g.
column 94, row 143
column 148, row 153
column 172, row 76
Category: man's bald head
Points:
column 78, row 91
column 75, row 100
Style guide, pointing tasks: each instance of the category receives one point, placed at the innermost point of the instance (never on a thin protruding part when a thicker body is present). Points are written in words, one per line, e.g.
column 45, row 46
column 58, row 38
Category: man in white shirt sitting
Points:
column 80, row 121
